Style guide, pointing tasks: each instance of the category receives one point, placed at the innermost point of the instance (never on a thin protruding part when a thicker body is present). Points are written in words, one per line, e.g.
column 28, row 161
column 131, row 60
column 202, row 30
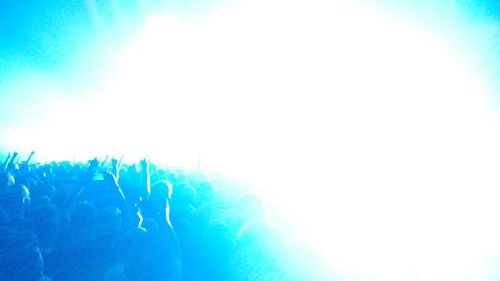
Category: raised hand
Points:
column 94, row 163
column 12, row 159
column 103, row 162
column 110, row 179
column 14, row 156
column 29, row 157
column 145, row 163
column 146, row 178
column 120, row 161
column 116, row 166
column 6, row 162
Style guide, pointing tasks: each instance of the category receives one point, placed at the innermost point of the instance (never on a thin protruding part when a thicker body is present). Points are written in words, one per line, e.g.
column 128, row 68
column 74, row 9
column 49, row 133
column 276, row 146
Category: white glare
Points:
column 373, row 136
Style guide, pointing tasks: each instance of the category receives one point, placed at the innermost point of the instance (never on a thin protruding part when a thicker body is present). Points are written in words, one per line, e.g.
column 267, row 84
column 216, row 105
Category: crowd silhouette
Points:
column 107, row 220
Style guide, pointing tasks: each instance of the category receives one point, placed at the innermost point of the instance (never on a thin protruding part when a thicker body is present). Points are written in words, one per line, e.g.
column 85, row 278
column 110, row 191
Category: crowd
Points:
column 110, row 221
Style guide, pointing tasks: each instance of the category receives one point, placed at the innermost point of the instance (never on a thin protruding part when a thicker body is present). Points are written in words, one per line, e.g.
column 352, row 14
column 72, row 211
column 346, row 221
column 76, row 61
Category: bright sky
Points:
column 380, row 120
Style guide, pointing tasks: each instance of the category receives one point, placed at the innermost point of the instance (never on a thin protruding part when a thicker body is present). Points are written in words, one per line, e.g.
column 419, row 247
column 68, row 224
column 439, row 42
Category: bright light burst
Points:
column 375, row 136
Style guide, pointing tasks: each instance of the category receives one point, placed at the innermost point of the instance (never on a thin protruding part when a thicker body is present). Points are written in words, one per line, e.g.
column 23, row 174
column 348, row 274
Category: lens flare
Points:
column 375, row 137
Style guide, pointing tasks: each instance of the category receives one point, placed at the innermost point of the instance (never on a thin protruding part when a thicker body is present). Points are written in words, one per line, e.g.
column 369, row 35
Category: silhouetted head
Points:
column 184, row 198
column 15, row 199
column 251, row 206
column 46, row 189
column 161, row 190
column 6, row 179
column 44, row 220
column 108, row 223
column 203, row 185
column 81, row 221
column 20, row 256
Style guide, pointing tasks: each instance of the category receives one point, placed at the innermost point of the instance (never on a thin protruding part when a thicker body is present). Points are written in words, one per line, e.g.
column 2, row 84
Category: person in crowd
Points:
column 107, row 220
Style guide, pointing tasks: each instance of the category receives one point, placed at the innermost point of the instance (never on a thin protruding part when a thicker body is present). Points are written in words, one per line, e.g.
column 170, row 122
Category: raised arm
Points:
column 116, row 166
column 27, row 161
column 12, row 160
column 5, row 164
column 146, row 178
